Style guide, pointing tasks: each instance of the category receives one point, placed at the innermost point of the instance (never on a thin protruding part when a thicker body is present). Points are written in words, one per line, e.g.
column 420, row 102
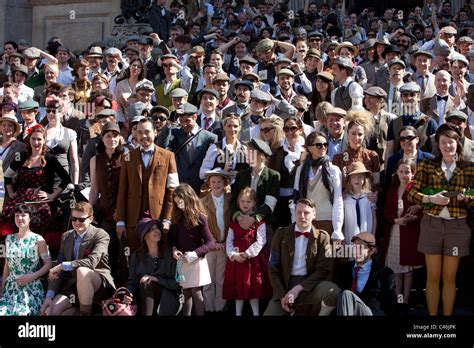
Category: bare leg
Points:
column 88, row 282
column 450, row 267
column 433, row 272
column 62, row 306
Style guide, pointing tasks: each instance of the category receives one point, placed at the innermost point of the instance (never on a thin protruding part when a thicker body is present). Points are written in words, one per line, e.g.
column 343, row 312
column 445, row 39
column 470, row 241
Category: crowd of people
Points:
column 317, row 162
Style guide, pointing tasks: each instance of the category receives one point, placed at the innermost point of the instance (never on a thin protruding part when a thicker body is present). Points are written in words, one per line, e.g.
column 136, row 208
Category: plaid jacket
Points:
column 429, row 174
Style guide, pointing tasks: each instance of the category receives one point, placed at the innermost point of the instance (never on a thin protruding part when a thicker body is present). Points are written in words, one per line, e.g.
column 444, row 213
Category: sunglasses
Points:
column 319, row 145
column 267, row 129
column 159, row 118
column 290, row 129
column 301, row 109
column 52, row 111
column 407, row 138
column 74, row 219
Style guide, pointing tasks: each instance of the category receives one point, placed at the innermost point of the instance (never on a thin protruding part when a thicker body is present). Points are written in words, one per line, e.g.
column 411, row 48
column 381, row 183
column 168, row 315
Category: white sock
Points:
column 254, row 303
column 325, row 309
column 239, row 304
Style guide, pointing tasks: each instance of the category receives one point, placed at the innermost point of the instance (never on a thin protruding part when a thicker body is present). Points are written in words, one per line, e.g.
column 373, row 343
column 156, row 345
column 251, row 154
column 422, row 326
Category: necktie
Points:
column 299, row 234
column 357, row 211
column 423, row 84
column 395, row 100
column 207, row 124
column 354, row 279
column 438, row 98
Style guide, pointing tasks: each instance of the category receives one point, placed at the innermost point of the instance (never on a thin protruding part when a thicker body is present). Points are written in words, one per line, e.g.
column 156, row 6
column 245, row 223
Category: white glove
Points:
column 191, row 256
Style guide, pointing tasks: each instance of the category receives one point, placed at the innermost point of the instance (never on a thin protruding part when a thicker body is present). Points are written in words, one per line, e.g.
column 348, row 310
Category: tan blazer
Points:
column 163, row 180
column 429, row 107
column 318, row 264
column 93, row 254
column 211, row 216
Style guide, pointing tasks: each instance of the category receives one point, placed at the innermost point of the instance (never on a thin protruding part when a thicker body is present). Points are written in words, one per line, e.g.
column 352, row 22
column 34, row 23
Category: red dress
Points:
column 247, row 280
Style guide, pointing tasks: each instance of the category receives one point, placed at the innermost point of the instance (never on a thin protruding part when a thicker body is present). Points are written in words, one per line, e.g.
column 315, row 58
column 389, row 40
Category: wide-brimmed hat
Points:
column 349, row 45
column 218, row 172
column 357, row 168
column 12, row 119
column 95, row 51
column 144, row 226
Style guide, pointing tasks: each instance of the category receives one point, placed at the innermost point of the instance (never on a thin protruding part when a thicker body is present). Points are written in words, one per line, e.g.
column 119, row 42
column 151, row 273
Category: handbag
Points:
column 193, row 274
column 115, row 307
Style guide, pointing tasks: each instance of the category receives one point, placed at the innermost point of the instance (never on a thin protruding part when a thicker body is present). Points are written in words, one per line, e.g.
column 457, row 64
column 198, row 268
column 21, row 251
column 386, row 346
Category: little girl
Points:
column 246, row 275
column 402, row 229
column 191, row 240
column 359, row 212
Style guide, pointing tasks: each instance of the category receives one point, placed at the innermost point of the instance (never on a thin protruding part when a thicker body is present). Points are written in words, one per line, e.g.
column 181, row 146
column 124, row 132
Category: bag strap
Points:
column 120, row 292
column 179, row 277
column 187, row 142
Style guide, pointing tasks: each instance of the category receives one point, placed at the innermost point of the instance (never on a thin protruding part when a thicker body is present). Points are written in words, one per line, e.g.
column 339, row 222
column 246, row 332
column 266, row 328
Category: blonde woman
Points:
column 271, row 131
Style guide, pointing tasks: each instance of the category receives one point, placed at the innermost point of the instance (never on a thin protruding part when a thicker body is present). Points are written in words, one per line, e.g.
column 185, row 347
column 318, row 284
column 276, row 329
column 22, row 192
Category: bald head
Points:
column 442, row 82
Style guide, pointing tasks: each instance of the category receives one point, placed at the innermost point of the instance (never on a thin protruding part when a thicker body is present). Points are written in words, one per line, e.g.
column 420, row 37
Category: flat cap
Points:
column 260, row 95
column 136, row 109
column 21, row 68
column 260, row 146
column 286, row 72
column 178, row 93
column 221, row 77
column 251, row 75
column 135, row 119
column 397, row 62
column 106, row 113
column 264, row 45
column 245, row 83
column 466, row 39
column 460, row 58
column 337, row 111
column 248, row 60
column 315, row 34
column 8, row 106
column 133, row 38
column 456, row 114
column 283, row 59
column 313, row 52
column 448, row 30
column 110, row 127
column 28, row 105
column 146, row 40
column 63, row 49
column 187, row 109
column 131, row 48
column 410, row 87
column 423, row 53
column 32, row 53
column 211, row 91
column 160, row 109
column 146, row 85
column 345, row 63
column 376, row 91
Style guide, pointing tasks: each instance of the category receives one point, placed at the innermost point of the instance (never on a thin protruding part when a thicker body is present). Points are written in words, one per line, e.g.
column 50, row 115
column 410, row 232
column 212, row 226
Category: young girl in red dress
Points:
column 402, row 230
column 246, row 275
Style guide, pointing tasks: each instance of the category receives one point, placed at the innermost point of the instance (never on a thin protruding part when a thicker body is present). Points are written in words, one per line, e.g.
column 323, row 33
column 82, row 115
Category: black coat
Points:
column 379, row 291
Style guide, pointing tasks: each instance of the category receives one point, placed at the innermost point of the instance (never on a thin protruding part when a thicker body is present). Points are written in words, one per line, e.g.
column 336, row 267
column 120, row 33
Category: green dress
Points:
column 23, row 258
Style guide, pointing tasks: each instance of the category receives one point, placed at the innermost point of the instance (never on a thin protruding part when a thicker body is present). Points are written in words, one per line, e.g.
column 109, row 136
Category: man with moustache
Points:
column 243, row 88
column 147, row 180
column 396, row 70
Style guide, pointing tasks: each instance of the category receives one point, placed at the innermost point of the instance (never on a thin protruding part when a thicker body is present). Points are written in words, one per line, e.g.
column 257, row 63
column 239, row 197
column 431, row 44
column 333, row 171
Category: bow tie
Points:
column 147, row 152
column 299, row 234
column 445, row 98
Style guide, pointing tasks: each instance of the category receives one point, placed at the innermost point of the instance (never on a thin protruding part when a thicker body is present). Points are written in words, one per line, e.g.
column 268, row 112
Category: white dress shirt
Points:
column 356, row 92
column 146, row 157
column 441, row 107
column 299, row 258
